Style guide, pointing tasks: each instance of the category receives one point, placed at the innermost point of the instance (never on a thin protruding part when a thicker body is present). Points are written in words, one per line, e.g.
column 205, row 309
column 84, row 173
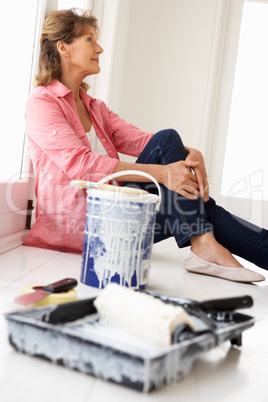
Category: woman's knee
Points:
column 168, row 133
column 171, row 139
column 163, row 148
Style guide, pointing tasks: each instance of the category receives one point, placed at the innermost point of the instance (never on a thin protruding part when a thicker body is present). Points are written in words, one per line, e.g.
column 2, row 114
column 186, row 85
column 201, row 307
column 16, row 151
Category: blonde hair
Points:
column 59, row 25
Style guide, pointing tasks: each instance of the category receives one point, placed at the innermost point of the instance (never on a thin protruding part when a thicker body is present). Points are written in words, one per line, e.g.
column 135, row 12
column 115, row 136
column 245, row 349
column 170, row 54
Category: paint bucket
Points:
column 119, row 234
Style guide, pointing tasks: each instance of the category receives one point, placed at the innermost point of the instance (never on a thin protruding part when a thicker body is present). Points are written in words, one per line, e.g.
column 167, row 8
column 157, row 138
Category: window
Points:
column 16, row 68
column 238, row 167
column 20, row 47
column 247, row 137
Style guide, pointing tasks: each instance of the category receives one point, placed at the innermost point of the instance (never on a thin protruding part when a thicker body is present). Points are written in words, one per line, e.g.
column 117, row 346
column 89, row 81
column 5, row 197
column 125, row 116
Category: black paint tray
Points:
column 72, row 335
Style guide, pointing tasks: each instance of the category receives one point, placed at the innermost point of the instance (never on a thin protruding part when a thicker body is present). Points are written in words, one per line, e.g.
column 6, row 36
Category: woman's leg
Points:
column 178, row 216
column 193, row 221
column 240, row 237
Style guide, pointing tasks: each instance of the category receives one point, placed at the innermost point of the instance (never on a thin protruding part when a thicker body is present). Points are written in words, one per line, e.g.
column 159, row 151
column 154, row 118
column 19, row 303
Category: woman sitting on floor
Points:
column 74, row 136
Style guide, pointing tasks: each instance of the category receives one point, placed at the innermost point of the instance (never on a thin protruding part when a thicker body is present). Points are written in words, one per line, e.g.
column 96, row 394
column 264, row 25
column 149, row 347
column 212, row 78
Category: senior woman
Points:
column 74, row 136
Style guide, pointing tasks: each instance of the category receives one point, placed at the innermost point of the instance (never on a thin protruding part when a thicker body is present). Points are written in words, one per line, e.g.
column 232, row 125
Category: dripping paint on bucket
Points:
column 118, row 237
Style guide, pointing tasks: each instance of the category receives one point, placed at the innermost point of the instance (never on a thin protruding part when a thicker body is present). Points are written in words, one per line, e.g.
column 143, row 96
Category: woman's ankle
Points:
column 206, row 247
column 202, row 241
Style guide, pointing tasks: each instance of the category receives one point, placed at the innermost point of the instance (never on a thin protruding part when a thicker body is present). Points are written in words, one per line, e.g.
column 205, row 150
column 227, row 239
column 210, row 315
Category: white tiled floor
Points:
column 224, row 374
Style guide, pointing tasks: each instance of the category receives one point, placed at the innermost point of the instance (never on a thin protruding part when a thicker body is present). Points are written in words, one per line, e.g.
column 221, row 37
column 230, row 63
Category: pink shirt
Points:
column 60, row 152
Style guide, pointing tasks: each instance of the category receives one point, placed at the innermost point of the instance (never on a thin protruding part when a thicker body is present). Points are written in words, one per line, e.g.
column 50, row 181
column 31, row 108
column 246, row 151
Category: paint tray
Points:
column 73, row 335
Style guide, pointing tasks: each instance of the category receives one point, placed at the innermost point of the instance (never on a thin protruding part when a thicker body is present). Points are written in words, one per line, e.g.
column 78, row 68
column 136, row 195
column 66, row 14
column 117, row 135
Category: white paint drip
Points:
column 119, row 237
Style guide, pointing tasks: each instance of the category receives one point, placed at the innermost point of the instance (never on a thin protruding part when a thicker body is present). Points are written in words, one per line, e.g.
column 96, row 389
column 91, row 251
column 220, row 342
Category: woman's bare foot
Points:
column 206, row 247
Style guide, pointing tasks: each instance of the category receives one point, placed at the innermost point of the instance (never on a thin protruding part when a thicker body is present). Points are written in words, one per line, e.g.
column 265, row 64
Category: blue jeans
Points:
column 185, row 219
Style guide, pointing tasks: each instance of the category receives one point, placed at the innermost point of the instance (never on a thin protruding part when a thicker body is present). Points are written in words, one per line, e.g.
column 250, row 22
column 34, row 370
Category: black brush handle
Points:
column 64, row 284
column 228, row 304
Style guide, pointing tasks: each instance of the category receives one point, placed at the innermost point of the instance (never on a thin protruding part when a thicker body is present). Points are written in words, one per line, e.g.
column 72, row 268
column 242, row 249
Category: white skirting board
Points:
column 12, row 241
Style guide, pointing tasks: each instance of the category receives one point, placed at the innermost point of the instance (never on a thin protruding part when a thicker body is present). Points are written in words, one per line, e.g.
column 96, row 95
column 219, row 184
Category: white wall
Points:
column 161, row 64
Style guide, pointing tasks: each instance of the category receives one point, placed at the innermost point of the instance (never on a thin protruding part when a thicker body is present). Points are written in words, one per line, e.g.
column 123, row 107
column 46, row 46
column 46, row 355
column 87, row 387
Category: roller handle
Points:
column 71, row 311
column 228, row 304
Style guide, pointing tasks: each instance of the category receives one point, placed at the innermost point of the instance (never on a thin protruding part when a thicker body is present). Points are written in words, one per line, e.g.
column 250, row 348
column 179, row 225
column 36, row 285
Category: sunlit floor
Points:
column 223, row 374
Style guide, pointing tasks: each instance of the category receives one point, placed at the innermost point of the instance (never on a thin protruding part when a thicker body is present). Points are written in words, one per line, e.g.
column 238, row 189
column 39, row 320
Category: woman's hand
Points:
column 199, row 171
column 188, row 177
column 179, row 177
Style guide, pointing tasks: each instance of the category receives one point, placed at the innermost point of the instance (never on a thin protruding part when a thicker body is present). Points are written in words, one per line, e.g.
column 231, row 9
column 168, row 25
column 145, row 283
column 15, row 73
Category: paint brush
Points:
column 83, row 184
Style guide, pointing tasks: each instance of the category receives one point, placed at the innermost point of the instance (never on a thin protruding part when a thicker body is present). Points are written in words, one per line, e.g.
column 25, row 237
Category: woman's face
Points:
column 84, row 53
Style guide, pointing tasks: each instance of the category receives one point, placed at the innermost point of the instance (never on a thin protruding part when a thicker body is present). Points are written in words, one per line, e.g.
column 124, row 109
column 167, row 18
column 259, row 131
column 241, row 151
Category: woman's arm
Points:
column 177, row 176
column 127, row 138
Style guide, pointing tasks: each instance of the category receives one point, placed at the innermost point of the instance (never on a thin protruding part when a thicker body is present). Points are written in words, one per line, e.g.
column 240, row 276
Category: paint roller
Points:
column 156, row 319
column 144, row 317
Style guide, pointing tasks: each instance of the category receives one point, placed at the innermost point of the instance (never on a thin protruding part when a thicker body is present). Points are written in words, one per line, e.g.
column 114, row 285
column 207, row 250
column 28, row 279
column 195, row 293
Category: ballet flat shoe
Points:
column 197, row 265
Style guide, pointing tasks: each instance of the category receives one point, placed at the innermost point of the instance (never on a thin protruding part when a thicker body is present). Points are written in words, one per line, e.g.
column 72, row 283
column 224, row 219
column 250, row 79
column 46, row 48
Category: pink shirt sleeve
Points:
column 125, row 137
column 128, row 139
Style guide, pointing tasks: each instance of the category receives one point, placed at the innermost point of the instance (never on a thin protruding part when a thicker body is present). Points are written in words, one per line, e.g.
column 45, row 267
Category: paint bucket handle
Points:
column 134, row 172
